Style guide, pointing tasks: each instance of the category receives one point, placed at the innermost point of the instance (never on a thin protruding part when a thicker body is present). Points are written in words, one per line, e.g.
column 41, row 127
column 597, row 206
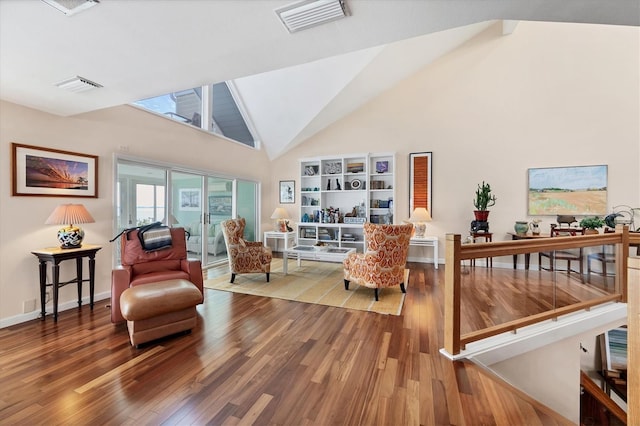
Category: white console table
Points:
column 288, row 237
column 427, row 242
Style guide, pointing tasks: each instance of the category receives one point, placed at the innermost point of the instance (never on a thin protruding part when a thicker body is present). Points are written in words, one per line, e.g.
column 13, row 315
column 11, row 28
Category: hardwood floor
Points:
column 254, row 360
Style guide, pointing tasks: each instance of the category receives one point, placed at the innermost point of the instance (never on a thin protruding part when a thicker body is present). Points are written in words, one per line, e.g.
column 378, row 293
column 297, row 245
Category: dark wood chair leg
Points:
column 402, row 288
column 233, row 277
column 346, row 284
column 375, row 291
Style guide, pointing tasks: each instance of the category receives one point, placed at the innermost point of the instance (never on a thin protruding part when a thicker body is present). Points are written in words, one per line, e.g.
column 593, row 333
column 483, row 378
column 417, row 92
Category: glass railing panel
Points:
column 492, row 296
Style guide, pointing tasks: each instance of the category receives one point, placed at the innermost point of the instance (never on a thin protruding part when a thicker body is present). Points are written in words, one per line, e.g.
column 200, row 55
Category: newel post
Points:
column 622, row 257
column 452, row 294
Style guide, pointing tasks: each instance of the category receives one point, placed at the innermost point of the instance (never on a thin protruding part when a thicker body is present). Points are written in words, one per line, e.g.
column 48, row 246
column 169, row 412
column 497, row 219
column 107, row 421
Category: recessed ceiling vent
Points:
column 77, row 84
column 71, row 7
column 309, row 13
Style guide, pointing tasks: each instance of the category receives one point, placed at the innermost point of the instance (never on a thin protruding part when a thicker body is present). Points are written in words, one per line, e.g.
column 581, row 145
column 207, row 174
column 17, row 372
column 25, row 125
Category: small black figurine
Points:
column 338, row 187
column 328, row 184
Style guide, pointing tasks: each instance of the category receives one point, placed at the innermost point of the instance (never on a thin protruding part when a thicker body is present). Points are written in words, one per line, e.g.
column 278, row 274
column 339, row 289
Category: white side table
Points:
column 288, row 237
column 427, row 242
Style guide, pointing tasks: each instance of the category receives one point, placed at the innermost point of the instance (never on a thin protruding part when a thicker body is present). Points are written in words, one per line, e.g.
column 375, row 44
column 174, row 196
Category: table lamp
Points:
column 70, row 236
column 280, row 215
column 418, row 217
column 172, row 220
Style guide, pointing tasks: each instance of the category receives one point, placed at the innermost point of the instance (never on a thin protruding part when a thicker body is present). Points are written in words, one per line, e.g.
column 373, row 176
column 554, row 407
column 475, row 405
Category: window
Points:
column 221, row 114
column 150, row 204
column 227, row 120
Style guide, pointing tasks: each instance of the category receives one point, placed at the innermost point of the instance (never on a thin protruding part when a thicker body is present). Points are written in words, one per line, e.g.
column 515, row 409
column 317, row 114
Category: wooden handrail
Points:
column 456, row 252
column 506, row 248
column 592, row 388
column 533, row 319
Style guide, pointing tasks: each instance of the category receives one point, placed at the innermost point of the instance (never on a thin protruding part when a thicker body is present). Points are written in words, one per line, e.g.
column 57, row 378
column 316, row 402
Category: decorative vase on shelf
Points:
column 521, row 227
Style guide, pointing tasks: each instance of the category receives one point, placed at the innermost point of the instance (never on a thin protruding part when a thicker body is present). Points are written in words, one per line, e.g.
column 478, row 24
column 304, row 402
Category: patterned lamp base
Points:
column 70, row 237
column 419, row 228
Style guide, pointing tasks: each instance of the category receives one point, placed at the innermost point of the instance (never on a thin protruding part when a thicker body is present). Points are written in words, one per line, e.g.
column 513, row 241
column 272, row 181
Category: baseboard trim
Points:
column 18, row 319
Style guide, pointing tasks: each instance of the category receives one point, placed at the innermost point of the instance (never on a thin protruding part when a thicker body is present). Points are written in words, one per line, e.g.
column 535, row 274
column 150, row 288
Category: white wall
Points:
column 561, row 361
column 125, row 130
column 547, row 95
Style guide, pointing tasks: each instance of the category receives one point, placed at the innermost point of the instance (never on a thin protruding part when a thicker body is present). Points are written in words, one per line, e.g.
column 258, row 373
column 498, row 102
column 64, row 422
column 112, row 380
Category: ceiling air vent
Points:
column 77, row 84
column 309, row 13
column 71, row 7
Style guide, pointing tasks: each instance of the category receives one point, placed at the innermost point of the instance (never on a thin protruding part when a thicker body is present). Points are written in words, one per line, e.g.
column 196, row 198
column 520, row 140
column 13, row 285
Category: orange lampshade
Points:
column 70, row 236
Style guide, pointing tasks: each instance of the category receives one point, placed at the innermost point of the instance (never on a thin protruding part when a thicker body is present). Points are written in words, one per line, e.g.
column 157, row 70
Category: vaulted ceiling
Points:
column 293, row 85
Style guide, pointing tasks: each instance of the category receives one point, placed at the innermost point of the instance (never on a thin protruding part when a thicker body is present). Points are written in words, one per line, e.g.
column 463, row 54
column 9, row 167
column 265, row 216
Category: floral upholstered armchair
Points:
column 384, row 260
column 244, row 256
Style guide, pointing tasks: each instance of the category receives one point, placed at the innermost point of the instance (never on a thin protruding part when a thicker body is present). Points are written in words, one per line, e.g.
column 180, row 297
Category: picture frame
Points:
column 420, row 181
column 44, row 172
column 189, row 199
column 220, row 205
column 382, row 167
column 573, row 190
column 287, row 191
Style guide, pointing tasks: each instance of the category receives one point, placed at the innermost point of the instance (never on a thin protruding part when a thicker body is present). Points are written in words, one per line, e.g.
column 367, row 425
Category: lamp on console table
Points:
column 280, row 215
column 70, row 236
column 419, row 217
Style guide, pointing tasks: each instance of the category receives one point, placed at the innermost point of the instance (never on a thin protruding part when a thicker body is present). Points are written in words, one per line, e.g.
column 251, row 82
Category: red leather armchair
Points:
column 140, row 267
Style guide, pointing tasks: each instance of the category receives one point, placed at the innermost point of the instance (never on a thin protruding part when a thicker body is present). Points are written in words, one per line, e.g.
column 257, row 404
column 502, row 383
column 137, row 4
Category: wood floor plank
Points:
column 254, row 360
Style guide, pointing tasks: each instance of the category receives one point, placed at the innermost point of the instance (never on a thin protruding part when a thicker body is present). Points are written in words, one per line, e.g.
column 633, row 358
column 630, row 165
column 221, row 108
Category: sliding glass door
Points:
column 247, row 202
column 194, row 200
column 187, row 210
column 141, row 195
column 220, row 207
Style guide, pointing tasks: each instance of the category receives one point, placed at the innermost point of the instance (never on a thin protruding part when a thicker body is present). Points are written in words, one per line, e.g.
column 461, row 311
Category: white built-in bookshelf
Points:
column 338, row 194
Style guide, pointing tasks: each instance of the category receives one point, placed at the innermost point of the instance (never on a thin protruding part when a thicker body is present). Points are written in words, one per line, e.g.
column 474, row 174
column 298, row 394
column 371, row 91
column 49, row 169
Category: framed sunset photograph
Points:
column 38, row 171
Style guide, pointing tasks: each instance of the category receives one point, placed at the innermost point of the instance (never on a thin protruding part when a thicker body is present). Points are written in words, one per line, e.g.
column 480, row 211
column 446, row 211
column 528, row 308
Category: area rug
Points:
column 313, row 282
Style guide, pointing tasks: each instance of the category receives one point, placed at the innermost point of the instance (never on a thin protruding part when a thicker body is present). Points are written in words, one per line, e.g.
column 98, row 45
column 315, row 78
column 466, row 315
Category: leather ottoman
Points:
column 159, row 309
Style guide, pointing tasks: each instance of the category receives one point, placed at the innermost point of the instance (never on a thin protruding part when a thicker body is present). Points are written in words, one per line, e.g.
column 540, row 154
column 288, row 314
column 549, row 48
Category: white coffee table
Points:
column 319, row 254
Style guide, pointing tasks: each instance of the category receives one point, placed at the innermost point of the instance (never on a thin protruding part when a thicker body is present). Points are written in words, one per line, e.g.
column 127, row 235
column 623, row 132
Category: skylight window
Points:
column 222, row 115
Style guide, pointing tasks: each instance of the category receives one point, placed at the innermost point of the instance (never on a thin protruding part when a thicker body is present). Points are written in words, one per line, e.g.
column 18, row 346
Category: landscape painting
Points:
column 49, row 172
column 579, row 190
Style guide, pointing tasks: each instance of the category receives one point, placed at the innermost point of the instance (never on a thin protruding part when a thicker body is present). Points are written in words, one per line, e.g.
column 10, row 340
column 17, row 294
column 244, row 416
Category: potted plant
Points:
column 591, row 224
column 483, row 200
